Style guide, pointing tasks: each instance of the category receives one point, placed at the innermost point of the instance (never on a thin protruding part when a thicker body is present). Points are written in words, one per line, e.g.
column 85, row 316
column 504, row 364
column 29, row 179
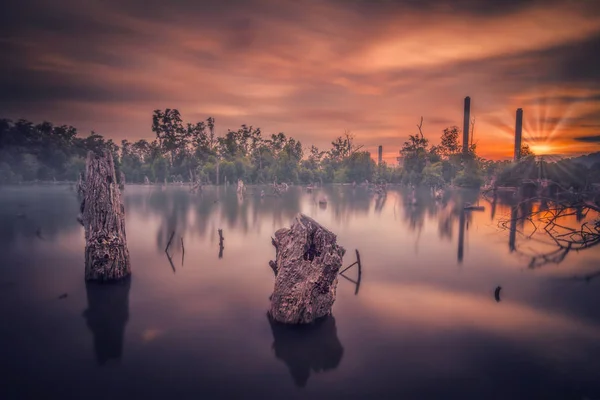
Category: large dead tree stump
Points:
column 306, row 268
column 106, row 253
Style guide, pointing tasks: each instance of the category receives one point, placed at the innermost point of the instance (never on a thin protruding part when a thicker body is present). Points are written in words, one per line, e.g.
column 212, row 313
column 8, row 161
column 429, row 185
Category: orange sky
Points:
column 311, row 69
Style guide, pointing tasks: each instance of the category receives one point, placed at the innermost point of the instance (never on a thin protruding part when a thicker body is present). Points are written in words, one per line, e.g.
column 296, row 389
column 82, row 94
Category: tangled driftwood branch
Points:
column 550, row 220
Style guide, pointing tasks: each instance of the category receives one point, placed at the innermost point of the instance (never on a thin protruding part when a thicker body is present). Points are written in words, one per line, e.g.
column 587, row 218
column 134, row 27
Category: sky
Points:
column 311, row 69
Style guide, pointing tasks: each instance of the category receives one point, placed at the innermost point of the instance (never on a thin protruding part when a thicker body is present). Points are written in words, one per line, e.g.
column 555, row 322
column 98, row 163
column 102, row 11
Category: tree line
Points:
column 193, row 152
column 180, row 152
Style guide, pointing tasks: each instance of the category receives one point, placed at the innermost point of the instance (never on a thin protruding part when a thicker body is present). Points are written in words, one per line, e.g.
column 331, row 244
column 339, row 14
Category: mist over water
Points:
column 426, row 322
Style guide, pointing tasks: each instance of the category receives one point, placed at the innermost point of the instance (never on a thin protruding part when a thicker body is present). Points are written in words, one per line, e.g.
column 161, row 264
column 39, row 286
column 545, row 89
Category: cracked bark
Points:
column 307, row 263
column 103, row 217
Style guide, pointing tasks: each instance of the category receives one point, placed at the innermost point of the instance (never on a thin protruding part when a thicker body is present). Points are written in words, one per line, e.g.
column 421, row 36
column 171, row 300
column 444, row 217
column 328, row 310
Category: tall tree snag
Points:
column 106, row 253
column 307, row 263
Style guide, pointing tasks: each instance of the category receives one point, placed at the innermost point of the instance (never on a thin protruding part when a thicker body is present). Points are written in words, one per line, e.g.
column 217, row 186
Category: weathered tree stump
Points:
column 306, row 268
column 106, row 253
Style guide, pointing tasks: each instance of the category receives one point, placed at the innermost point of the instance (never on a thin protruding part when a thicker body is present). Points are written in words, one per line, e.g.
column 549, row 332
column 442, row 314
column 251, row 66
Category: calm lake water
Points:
column 425, row 323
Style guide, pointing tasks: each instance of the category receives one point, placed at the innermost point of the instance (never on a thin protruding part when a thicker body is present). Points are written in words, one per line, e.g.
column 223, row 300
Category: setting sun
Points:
column 540, row 149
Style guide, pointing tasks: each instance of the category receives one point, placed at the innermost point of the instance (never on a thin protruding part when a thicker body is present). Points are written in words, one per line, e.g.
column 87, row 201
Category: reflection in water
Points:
column 526, row 211
column 221, row 245
column 179, row 211
column 171, row 261
column 580, row 213
column 182, row 252
column 41, row 212
column 380, row 200
column 513, row 228
column 585, row 278
column 461, row 236
column 443, row 322
column 551, row 229
column 304, row 348
column 358, row 265
column 106, row 316
column 345, row 203
column 355, row 282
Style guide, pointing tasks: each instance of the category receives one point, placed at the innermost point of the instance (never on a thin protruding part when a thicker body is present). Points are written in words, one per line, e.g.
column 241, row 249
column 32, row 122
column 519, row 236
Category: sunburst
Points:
column 547, row 114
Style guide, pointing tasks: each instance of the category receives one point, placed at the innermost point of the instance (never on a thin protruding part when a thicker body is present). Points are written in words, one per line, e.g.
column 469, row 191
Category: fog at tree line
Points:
column 192, row 152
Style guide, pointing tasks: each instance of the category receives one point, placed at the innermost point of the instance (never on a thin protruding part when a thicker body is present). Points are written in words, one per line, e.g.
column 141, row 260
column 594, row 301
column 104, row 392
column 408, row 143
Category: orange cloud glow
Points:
column 312, row 70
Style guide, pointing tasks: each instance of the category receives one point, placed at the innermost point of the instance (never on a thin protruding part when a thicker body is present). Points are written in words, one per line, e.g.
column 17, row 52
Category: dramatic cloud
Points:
column 309, row 68
column 588, row 139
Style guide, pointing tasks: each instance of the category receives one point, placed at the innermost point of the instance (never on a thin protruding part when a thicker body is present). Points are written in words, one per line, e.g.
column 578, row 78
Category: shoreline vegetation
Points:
column 192, row 153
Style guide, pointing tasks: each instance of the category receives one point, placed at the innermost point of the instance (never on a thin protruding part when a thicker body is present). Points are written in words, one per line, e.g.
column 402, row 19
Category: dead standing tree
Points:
column 103, row 217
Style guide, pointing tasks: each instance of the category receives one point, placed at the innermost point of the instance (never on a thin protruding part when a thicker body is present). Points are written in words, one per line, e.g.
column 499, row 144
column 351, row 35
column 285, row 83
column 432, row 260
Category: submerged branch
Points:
column 550, row 219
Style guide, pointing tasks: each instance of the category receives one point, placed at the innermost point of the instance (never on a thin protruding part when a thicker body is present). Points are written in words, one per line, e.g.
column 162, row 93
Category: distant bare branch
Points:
column 420, row 125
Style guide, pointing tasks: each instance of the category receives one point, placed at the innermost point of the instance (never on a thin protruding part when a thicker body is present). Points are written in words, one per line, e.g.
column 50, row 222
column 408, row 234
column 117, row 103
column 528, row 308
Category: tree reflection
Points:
column 380, row 201
column 344, row 202
column 306, row 348
column 44, row 211
column 221, row 207
column 106, row 316
column 461, row 236
column 448, row 209
column 421, row 204
column 418, row 204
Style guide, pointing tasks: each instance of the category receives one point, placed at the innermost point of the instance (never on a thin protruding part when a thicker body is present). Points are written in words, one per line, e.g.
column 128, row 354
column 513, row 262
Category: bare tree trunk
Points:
column 106, row 253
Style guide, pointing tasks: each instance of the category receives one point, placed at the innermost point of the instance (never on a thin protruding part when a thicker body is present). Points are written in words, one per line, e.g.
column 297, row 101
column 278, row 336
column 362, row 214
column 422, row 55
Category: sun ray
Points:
column 545, row 116
column 562, row 121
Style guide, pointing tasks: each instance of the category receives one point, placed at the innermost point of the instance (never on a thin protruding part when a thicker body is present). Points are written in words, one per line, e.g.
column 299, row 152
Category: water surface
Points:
column 424, row 322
